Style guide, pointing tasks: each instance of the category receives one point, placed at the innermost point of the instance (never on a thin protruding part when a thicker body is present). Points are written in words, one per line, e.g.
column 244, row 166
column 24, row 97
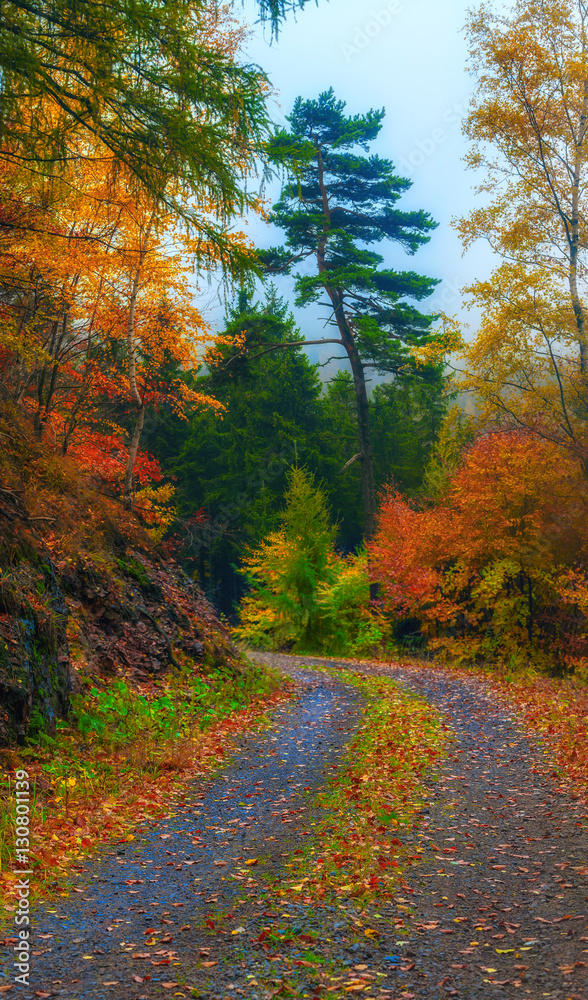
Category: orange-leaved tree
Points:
column 98, row 267
column 484, row 568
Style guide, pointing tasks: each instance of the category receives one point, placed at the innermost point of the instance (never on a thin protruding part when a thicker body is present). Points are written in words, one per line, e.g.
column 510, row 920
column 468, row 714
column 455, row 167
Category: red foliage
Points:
column 488, row 565
column 105, row 456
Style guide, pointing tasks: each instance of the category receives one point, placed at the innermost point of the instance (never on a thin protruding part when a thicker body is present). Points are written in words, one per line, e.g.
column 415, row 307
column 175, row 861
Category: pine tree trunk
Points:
column 368, row 489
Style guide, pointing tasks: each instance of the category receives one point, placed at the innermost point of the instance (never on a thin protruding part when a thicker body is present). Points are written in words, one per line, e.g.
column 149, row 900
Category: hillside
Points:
column 85, row 594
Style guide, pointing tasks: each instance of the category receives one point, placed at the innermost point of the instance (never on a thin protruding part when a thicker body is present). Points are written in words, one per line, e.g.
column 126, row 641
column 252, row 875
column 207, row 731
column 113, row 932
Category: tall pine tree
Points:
column 335, row 206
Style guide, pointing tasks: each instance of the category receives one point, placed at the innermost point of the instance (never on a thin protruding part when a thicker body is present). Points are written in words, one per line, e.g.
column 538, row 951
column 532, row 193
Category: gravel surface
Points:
column 504, row 877
column 194, row 867
column 496, row 907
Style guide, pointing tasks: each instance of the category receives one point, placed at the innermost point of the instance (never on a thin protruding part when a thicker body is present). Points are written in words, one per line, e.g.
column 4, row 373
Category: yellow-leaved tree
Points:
column 528, row 125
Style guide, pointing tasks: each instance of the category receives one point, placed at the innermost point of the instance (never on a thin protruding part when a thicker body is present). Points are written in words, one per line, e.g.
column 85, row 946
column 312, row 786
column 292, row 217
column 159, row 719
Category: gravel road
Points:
column 497, row 907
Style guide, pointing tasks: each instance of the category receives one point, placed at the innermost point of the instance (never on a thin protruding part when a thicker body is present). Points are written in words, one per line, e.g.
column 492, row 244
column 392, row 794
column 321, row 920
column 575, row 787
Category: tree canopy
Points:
column 158, row 86
column 528, row 128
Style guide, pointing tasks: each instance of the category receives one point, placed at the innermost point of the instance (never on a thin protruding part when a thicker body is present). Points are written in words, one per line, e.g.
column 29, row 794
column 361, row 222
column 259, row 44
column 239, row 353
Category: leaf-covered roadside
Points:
column 125, row 758
column 373, row 802
column 557, row 710
column 554, row 708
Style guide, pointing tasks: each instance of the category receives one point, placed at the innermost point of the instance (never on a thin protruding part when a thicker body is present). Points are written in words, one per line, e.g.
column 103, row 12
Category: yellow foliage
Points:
column 153, row 503
column 528, row 128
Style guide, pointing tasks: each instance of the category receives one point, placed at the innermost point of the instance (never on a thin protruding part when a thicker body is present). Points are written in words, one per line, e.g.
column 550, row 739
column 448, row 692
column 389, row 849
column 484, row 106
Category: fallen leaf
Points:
column 208, row 965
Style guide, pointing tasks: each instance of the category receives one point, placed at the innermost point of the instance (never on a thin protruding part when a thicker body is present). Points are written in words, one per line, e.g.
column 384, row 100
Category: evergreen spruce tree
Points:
column 406, row 417
column 234, row 466
column 336, row 206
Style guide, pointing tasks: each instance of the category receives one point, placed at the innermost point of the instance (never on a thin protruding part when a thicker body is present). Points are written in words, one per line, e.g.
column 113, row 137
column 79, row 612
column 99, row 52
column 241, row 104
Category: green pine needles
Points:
column 157, row 86
column 336, row 206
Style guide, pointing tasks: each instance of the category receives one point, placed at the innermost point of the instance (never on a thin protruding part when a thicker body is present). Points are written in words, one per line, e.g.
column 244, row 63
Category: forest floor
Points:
column 223, row 898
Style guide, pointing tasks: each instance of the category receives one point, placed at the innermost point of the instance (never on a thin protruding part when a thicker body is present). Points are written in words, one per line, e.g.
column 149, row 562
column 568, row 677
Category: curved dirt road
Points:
column 495, row 908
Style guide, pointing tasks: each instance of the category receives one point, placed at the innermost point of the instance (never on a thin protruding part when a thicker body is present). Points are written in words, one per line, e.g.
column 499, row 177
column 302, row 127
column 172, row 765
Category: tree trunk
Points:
column 133, row 449
column 135, row 394
column 368, row 489
column 574, row 236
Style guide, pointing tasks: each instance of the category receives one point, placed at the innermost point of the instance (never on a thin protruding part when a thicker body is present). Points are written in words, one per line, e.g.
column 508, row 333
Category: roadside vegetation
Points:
column 125, row 757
